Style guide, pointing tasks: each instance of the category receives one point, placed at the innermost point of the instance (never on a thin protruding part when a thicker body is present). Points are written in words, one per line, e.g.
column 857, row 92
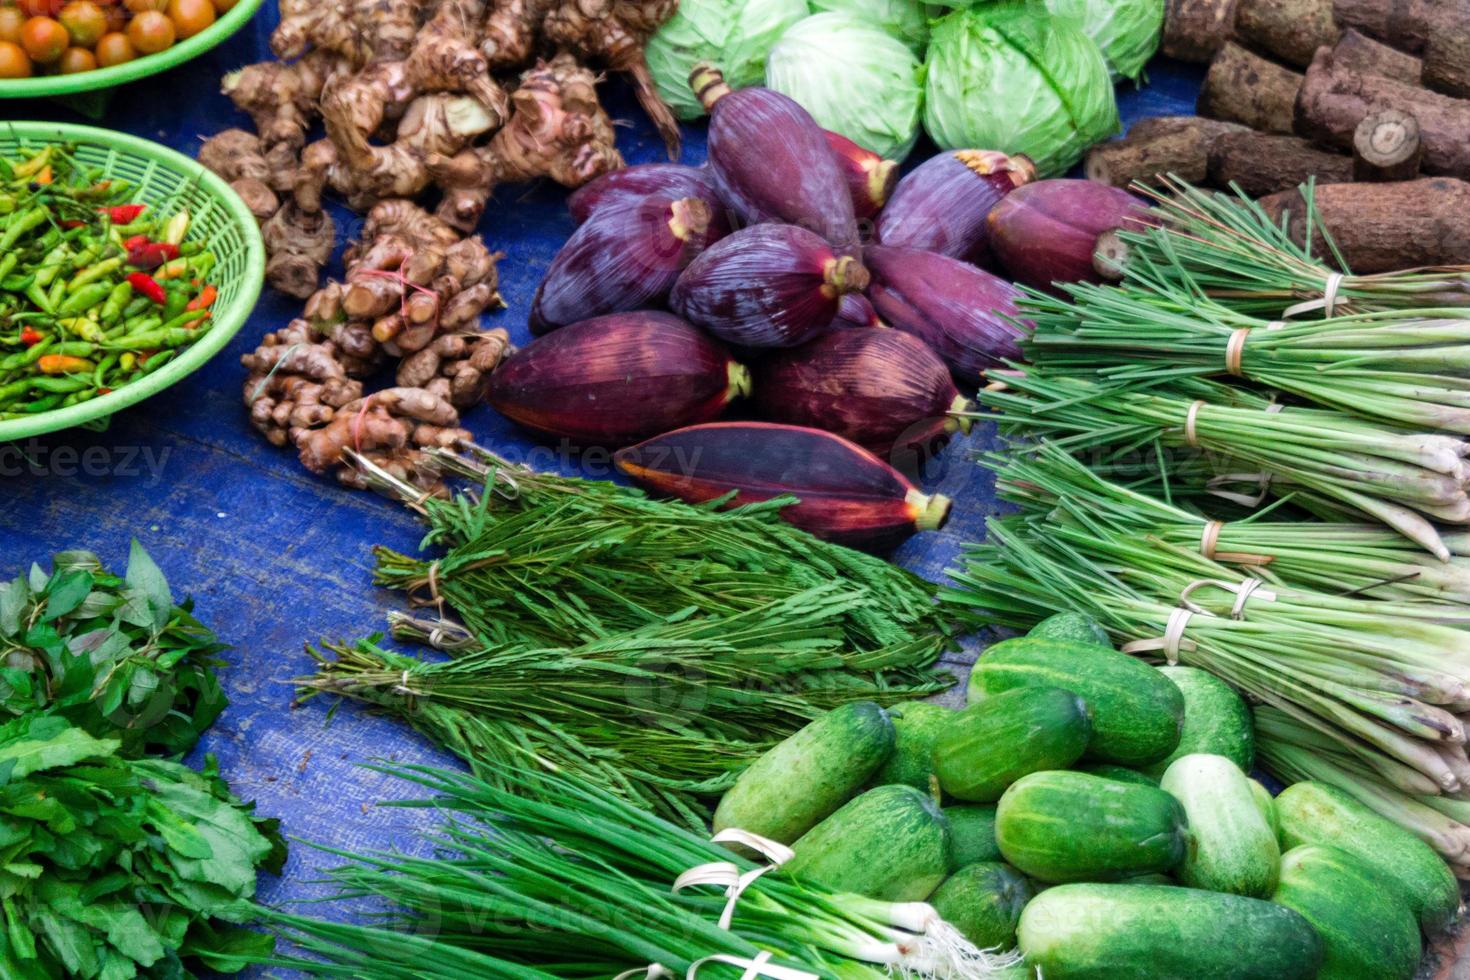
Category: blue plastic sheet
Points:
column 276, row 557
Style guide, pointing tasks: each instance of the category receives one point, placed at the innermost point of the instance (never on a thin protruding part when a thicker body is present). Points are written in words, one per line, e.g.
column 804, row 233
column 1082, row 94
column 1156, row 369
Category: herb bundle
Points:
column 1228, row 247
column 113, row 655
column 118, row 868
column 580, row 886
column 1394, row 475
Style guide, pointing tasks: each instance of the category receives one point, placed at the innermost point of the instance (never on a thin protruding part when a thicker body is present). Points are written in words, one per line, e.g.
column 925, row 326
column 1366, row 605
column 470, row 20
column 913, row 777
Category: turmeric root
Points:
column 296, row 381
column 299, row 244
column 395, row 421
column 456, row 366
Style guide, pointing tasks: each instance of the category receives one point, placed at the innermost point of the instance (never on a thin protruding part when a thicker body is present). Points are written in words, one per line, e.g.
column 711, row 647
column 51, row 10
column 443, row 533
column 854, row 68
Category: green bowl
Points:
column 90, row 81
column 162, row 178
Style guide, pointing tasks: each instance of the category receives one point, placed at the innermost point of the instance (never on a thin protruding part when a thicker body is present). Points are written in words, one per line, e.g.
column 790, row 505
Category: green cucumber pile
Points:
column 1096, row 815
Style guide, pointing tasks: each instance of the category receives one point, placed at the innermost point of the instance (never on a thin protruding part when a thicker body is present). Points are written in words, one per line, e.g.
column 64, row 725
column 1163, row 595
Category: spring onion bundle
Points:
column 1338, row 558
column 582, row 887
column 1231, row 249
column 1386, row 678
column 1394, row 475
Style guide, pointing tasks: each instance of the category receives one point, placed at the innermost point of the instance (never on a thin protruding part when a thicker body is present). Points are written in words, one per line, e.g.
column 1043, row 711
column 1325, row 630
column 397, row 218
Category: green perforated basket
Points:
column 44, row 86
column 166, row 180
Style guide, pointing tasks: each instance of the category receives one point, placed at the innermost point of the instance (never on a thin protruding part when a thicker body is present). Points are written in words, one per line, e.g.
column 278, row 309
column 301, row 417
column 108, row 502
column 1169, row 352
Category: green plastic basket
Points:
column 164, row 179
column 43, row 86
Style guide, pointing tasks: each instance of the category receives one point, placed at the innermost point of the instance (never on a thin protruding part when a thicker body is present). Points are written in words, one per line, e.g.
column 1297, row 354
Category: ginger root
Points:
column 239, row 158
column 299, row 243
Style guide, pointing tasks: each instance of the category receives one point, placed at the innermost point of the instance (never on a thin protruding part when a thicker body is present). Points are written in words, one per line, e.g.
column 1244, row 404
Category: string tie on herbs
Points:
column 1243, row 592
column 1235, row 347
column 1173, row 639
column 1209, row 540
column 1327, row 304
column 760, row 966
column 728, row 874
column 1191, row 436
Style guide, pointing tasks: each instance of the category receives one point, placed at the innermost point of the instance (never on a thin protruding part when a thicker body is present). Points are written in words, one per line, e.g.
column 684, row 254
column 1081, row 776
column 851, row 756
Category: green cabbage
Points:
column 734, row 35
column 1011, row 77
column 854, row 78
column 907, row 20
column 1127, row 31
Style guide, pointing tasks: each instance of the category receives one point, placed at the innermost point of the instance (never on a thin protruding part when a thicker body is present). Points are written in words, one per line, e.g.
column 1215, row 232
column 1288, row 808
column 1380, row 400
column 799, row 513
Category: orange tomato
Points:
column 42, row 8
column 114, row 48
column 151, row 32
column 190, row 16
column 143, row 6
column 74, row 60
column 14, row 62
column 84, row 22
column 44, row 39
column 224, row 6
column 12, row 19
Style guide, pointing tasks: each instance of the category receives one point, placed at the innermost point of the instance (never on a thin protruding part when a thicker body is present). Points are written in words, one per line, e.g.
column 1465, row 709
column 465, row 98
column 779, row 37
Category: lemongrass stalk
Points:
column 1272, row 722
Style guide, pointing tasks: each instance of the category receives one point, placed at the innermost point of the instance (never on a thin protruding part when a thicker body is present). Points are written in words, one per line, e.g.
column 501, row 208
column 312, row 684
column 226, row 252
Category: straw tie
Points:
column 1172, row 641
column 1243, row 592
column 1191, row 419
column 1327, row 303
column 1235, row 347
column 729, row 874
column 1209, row 539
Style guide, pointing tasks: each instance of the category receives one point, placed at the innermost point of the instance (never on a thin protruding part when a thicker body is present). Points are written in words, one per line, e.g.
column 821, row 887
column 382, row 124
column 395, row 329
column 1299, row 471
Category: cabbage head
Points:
column 854, row 78
column 907, row 20
column 1012, row 77
column 1127, row 31
column 733, row 35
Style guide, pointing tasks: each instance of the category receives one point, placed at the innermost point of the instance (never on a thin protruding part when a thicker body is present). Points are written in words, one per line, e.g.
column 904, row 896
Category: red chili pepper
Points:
column 151, row 255
column 124, row 214
column 137, row 241
column 69, row 225
column 145, row 285
column 104, row 391
column 30, row 336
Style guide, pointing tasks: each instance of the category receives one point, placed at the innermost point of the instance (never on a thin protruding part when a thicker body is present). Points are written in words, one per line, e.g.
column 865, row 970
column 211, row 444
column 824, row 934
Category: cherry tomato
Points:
column 224, row 6
column 151, row 32
column 74, row 60
column 14, row 62
column 117, row 17
column 84, row 21
column 114, row 49
column 143, row 6
column 12, row 19
column 190, row 16
column 42, row 8
column 44, row 39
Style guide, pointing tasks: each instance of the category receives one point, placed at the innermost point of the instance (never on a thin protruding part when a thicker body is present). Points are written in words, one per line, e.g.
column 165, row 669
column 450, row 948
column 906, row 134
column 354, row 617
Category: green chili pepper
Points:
column 37, row 295
column 85, row 298
column 21, row 223
column 62, row 383
column 98, row 270
column 112, row 310
column 56, row 293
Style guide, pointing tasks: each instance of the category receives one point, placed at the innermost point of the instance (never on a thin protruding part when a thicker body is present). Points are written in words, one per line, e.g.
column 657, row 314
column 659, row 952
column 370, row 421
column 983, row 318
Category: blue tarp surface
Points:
column 276, row 557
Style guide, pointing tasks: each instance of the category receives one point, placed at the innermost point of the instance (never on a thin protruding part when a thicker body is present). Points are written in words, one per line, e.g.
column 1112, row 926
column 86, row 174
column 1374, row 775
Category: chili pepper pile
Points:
column 95, row 292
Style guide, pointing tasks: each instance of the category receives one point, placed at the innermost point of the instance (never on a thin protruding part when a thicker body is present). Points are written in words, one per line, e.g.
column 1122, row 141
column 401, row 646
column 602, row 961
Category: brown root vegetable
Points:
column 1194, row 30
column 299, row 244
column 1178, row 145
column 1289, row 30
column 1244, row 87
column 1357, row 51
column 1386, row 146
column 239, row 158
column 1380, row 227
column 1264, row 163
column 1334, row 100
column 456, row 366
column 1447, row 54
column 1405, row 24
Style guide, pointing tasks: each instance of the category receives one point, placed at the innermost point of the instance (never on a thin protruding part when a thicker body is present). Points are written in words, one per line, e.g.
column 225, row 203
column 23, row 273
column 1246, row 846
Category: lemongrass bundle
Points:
column 583, row 887
column 1365, row 560
column 666, row 715
column 1228, row 247
column 1407, row 367
column 1389, row 676
column 1295, row 752
column 1394, row 475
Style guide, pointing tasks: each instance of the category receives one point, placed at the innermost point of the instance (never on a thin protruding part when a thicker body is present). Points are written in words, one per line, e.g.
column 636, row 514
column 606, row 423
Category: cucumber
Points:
column 991, row 744
column 1121, row 773
column 1233, row 848
column 1315, row 813
column 1267, row 806
column 972, row 826
column 1136, row 711
column 984, row 902
column 1070, row 826
column 1216, row 720
column 915, row 727
column 804, row 779
column 1074, row 626
column 891, row 843
column 1366, row 933
column 1158, row 932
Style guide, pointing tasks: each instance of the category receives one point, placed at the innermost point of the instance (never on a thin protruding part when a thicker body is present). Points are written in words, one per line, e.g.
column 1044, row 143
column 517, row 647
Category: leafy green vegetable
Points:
column 113, row 655
column 733, row 35
column 1127, row 31
column 906, row 20
column 854, row 77
column 1011, row 77
column 112, row 869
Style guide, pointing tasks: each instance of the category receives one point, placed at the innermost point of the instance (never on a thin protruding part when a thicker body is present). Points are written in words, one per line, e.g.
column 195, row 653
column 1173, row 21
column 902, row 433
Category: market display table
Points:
column 276, row 557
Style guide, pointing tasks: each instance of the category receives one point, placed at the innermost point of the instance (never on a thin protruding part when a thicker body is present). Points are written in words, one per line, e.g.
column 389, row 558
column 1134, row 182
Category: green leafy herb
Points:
column 114, row 656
